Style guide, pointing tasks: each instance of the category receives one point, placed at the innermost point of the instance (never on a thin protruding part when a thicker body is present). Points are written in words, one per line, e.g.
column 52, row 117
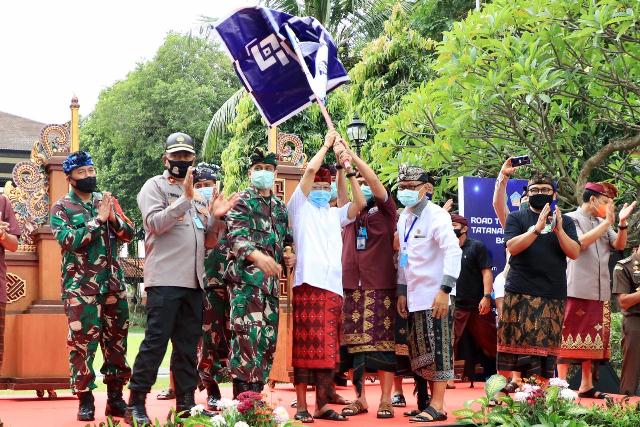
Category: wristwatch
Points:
column 446, row 289
column 486, row 296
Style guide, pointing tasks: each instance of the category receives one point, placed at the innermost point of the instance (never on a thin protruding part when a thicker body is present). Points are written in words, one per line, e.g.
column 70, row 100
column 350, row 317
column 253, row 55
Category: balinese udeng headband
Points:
column 603, row 188
column 207, row 172
column 258, row 156
column 459, row 219
column 323, row 175
column 76, row 160
column 414, row 173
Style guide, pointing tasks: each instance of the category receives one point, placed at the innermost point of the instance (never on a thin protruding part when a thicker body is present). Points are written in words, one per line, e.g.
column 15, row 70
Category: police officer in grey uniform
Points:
column 176, row 222
column 626, row 285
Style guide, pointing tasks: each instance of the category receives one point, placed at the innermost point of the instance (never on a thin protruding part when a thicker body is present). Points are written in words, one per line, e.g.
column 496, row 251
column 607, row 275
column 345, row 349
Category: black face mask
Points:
column 537, row 201
column 458, row 232
column 178, row 168
column 86, row 185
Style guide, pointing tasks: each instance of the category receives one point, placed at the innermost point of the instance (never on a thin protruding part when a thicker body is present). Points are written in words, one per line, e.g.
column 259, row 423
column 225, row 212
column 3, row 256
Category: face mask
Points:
column 86, row 185
column 334, row 191
column 408, row 198
column 537, row 201
column 524, row 206
column 458, row 232
column 205, row 192
column 601, row 211
column 178, row 168
column 366, row 191
column 320, row 198
column 262, row 180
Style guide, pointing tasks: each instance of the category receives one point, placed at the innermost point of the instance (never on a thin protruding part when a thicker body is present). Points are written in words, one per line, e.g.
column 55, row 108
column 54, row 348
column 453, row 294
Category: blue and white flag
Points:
column 285, row 62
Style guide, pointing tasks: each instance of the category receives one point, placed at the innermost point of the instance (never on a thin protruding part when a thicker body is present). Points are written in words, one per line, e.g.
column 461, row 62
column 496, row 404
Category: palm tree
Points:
column 350, row 22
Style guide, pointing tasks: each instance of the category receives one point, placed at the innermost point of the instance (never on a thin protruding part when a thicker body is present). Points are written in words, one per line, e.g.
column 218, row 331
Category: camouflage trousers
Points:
column 98, row 319
column 254, row 330
column 214, row 352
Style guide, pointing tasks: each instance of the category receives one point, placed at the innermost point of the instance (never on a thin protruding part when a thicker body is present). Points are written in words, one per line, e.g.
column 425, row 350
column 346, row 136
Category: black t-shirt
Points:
column 541, row 269
column 469, row 286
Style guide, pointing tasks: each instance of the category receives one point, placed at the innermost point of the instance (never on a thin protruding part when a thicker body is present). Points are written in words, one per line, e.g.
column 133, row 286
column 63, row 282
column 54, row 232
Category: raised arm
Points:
column 157, row 216
column 314, row 164
column 378, row 190
column 500, row 192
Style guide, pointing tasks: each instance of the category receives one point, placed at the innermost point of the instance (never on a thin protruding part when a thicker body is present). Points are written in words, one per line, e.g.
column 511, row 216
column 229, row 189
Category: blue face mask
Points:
column 408, row 198
column 205, row 192
column 334, row 191
column 262, row 180
column 320, row 198
column 366, row 191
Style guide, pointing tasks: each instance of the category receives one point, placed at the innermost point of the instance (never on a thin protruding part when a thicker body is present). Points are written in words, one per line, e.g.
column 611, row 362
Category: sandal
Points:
column 385, row 410
column 398, row 401
column 412, row 413
column 429, row 415
column 593, row 394
column 167, row 394
column 331, row 415
column 354, row 408
column 511, row 387
column 304, row 417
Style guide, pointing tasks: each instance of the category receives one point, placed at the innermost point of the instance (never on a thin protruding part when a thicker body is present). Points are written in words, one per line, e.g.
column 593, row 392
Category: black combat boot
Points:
column 136, row 410
column 116, row 406
column 213, row 395
column 86, row 408
column 240, row 386
column 184, row 403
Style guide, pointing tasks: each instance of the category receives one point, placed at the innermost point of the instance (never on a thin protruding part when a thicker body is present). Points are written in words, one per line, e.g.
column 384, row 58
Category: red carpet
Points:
column 27, row 410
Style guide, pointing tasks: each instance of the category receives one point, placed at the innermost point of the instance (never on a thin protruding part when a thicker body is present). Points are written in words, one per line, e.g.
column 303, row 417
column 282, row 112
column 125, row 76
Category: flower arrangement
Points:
column 533, row 403
column 248, row 410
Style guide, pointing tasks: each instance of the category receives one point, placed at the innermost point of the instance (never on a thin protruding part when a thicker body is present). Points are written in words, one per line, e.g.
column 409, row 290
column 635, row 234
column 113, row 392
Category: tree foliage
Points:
column 187, row 80
column 557, row 80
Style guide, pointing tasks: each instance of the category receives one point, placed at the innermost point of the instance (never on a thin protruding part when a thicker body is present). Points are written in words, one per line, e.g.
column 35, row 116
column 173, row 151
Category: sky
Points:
column 51, row 50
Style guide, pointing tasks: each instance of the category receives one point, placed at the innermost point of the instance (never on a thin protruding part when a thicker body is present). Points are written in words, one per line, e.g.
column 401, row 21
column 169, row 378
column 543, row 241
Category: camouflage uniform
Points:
column 215, row 318
column 262, row 224
column 93, row 289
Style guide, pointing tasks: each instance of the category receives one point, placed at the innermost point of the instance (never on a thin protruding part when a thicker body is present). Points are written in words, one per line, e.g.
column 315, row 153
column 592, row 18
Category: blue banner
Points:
column 475, row 198
column 265, row 46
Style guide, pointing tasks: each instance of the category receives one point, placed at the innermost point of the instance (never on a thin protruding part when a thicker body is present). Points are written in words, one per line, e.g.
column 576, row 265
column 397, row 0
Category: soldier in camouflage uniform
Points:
column 214, row 351
column 88, row 226
column 258, row 226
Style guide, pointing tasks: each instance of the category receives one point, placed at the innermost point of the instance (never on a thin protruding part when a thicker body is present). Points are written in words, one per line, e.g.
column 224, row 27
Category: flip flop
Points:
column 304, row 417
column 331, row 415
column 593, row 394
column 431, row 412
column 411, row 413
column 385, row 410
column 354, row 408
column 398, row 401
column 339, row 400
column 167, row 394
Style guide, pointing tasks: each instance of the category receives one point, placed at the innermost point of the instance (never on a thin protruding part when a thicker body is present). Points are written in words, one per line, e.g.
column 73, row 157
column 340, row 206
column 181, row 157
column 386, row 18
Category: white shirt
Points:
column 498, row 285
column 317, row 234
column 433, row 251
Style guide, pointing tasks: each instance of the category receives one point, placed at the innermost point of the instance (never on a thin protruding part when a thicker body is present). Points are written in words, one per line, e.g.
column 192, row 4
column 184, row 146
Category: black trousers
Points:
column 175, row 314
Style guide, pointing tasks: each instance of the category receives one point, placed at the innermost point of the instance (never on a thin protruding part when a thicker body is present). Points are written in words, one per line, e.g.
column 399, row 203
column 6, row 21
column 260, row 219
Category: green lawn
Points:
column 136, row 336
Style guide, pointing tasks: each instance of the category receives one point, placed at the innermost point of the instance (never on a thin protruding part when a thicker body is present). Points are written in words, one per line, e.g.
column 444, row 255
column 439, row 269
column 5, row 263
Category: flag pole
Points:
column 325, row 114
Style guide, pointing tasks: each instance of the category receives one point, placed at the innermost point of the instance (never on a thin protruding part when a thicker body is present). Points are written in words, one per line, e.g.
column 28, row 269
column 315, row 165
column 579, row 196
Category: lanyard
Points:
column 406, row 236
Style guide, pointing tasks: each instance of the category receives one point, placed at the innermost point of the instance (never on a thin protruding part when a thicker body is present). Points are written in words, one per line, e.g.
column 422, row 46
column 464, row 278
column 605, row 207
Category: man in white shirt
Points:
column 317, row 288
column 428, row 266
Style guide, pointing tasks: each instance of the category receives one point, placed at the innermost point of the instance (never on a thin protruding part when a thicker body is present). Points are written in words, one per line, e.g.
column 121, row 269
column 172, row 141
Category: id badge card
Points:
column 403, row 259
column 198, row 223
column 361, row 243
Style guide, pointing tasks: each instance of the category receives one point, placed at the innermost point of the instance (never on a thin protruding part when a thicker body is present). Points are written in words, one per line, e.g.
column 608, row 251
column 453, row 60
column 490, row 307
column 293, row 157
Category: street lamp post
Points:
column 357, row 132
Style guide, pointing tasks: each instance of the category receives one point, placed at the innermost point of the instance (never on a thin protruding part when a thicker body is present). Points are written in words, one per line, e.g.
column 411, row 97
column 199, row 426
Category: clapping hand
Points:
column 542, row 218
column 220, row 205
column 626, row 211
column 105, row 207
column 187, row 184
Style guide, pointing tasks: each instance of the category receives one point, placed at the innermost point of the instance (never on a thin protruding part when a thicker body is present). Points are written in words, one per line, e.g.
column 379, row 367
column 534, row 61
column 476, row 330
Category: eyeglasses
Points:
column 409, row 186
column 534, row 191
